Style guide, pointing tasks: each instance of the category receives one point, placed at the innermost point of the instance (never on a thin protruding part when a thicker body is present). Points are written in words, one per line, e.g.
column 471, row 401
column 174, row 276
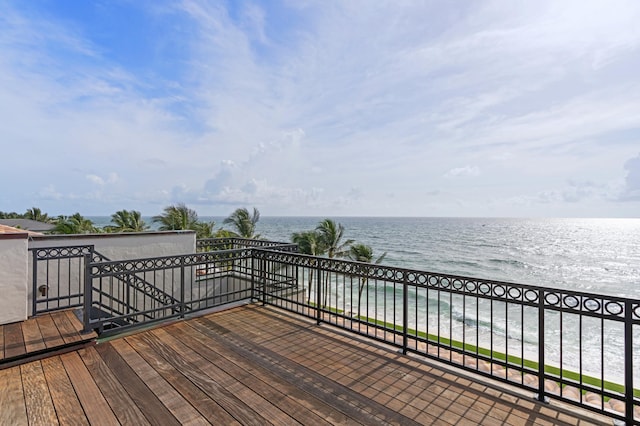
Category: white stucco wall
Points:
column 126, row 245
column 114, row 246
column 13, row 278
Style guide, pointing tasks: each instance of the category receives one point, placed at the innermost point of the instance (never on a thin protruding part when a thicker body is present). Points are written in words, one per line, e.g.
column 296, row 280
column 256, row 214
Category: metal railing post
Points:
column 183, row 306
column 253, row 276
column 541, row 392
column 34, row 272
column 126, row 283
column 628, row 361
column 405, row 313
column 263, row 274
column 87, row 297
column 318, row 292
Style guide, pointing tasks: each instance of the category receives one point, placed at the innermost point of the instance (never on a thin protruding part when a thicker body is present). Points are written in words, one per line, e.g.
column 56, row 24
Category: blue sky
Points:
column 319, row 108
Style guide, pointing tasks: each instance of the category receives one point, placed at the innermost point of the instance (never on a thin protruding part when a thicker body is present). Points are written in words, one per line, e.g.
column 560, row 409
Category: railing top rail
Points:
column 459, row 283
column 62, row 252
column 159, row 262
column 63, row 246
column 132, row 265
column 245, row 241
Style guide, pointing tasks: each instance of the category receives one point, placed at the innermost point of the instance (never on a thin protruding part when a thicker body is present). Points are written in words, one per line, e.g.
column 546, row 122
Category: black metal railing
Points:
column 576, row 347
column 58, row 279
column 57, row 275
column 581, row 348
column 138, row 284
column 214, row 244
column 194, row 281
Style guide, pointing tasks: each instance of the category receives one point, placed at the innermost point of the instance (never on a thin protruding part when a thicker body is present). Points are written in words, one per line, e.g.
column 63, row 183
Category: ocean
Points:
column 592, row 255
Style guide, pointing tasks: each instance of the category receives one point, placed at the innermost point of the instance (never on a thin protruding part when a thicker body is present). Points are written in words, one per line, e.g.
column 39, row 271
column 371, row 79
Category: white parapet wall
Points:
column 134, row 245
column 63, row 277
column 13, row 277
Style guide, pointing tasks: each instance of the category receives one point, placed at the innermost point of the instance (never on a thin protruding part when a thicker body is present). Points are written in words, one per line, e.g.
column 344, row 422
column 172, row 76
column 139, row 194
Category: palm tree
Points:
column 75, row 224
column 35, row 213
column 204, row 229
column 309, row 242
column 244, row 223
column 127, row 221
column 176, row 218
column 331, row 234
column 224, row 233
column 10, row 215
column 179, row 217
column 363, row 253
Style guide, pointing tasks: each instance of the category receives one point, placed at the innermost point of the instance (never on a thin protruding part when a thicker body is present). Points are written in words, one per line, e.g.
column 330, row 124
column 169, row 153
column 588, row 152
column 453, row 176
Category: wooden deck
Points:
column 253, row 365
column 40, row 336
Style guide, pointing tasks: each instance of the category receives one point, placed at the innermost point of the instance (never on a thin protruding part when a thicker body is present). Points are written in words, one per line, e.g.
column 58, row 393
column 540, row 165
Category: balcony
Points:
column 256, row 365
column 342, row 341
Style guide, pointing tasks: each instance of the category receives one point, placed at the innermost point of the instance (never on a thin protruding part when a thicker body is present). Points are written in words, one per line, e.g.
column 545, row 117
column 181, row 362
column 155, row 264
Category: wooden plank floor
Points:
column 40, row 335
column 253, row 365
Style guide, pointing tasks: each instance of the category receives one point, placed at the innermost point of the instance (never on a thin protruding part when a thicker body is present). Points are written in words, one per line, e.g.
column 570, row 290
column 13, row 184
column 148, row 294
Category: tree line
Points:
column 173, row 218
column 327, row 239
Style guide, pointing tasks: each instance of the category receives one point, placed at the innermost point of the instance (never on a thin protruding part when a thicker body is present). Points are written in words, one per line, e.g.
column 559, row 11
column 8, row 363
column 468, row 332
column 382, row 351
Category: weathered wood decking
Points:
column 252, row 365
column 40, row 336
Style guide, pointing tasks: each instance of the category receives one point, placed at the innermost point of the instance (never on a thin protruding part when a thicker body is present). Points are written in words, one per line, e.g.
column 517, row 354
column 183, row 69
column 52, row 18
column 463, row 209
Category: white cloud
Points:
column 95, row 179
column 49, row 193
column 291, row 113
column 631, row 191
column 471, row 171
column 113, row 177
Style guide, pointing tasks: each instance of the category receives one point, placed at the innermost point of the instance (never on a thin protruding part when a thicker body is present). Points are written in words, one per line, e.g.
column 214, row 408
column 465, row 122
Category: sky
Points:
column 321, row 108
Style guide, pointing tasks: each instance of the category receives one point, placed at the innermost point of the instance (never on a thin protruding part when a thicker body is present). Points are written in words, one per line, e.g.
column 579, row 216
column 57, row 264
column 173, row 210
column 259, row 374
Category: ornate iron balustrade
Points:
column 577, row 347
column 212, row 244
column 135, row 282
column 581, row 348
column 57, row 277
column 193, row 282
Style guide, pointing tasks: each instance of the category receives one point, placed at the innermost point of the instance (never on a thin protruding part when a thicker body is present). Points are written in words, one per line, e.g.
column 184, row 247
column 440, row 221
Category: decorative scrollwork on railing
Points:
column 592, row 305
column 128, row 275
column 285, row 257
column 531, row 296
column 552, row 299
column 212, row 257
column 167, row 262
column 215, row 244
column 508, row 292
column 568, row 301
column 571, row 301
column 635, row 311
column 614, row 308
column 134, row 266
column 51, row 253
column 581, row 303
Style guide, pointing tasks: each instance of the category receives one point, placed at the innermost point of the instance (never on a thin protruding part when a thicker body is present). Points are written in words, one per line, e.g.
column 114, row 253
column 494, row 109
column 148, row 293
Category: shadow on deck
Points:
column 256, row 365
